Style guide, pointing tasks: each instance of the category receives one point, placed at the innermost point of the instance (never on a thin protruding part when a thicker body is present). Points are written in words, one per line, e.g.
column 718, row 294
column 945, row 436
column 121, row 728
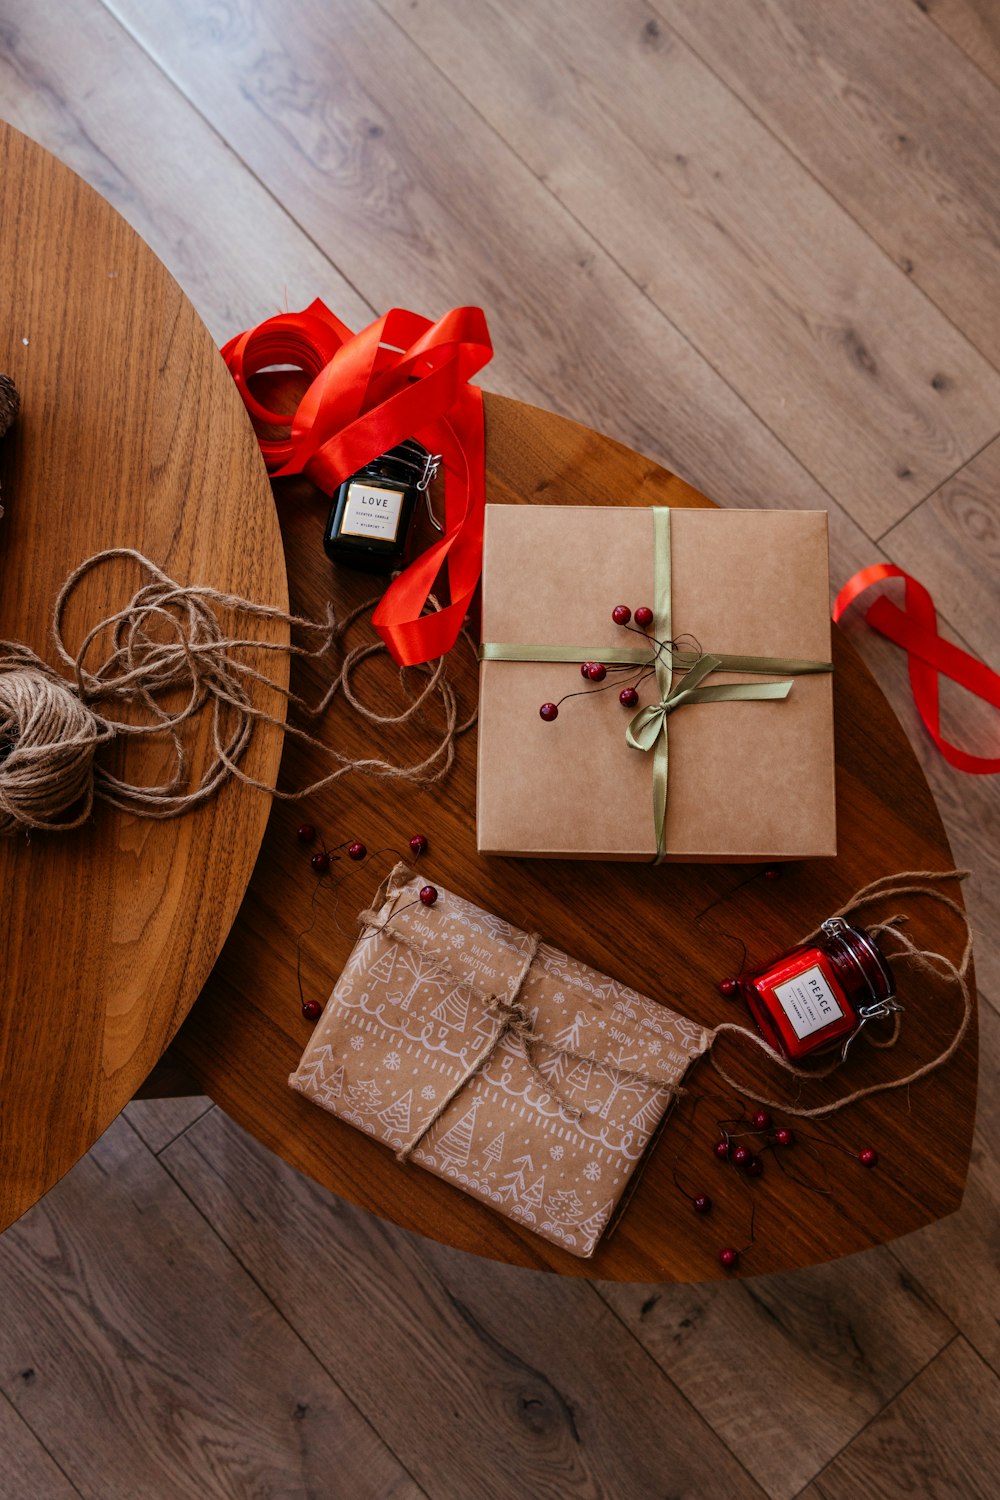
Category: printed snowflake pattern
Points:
column 421, row 1002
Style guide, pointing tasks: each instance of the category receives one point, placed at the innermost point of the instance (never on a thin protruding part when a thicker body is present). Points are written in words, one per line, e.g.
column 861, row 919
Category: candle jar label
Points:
column 372, row 512
column 808, row 1002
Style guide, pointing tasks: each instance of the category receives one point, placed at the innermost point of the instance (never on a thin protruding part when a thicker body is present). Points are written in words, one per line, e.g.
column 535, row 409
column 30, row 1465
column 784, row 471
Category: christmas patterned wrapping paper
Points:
column 547, row 1129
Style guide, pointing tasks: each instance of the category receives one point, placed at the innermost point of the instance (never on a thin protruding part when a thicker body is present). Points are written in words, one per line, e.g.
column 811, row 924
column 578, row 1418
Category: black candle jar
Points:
column 373, row 511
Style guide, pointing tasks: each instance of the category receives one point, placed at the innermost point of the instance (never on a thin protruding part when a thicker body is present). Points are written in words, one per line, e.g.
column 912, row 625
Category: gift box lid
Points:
column 747, row 780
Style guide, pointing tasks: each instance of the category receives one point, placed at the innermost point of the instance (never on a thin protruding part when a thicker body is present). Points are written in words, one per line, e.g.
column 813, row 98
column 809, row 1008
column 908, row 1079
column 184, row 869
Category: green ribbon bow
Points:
column 647, row 729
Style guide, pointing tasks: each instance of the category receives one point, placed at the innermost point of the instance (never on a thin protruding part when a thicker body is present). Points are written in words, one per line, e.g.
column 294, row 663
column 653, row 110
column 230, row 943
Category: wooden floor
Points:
column 757, row 239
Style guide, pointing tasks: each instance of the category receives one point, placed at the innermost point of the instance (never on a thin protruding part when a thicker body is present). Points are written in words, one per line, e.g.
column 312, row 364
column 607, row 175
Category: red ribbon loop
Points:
column 929, row 655
column 401, row 377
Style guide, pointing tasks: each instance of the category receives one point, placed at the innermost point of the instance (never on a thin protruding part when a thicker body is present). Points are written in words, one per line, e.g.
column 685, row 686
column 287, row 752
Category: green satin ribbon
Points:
column 647, row 729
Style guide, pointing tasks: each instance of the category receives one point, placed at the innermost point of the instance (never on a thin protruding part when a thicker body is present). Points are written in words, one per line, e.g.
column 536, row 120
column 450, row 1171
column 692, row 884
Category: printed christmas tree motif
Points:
column 396, row 1116
column 534, row 1194
column 381, row 969
column 647, row 1114
column 419, row 972
column 579, row 1077
column 514, row 1181
column 333, row 1087
column 365, row 1096
column 620, row 1084
column 569, row 1037
column 317, row 1071
column 496, row 927
column 453, row 1010
column 552, row 1067
column 456, row 1143
column 565, row 1206
column 493, row 1152
column 592, row 1227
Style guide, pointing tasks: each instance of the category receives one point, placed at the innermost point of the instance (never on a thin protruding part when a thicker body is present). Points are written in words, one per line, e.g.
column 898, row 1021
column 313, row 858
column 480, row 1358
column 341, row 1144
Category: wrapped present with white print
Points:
column 506, row 1067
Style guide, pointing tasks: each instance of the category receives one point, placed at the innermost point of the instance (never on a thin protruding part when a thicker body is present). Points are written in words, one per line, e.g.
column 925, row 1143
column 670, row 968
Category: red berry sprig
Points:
column 596, row 671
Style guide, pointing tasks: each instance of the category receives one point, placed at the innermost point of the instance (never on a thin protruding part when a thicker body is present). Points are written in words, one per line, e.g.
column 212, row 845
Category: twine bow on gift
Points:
column 513, row 1025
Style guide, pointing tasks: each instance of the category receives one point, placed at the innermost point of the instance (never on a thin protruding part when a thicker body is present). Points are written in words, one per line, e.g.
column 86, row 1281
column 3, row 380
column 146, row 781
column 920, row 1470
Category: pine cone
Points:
column 10, row 401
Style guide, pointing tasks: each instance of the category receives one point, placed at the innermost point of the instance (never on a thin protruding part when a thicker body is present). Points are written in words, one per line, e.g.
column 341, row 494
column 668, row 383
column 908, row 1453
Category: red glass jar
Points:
column 819, row 995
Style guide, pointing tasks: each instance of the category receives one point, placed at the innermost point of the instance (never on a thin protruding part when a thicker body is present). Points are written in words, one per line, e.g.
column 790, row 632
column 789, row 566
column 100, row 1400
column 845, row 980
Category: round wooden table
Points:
column 131, row 434
column 640, row 924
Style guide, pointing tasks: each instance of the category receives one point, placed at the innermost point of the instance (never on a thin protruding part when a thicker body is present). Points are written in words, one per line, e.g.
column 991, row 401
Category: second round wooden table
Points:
column 646, row 926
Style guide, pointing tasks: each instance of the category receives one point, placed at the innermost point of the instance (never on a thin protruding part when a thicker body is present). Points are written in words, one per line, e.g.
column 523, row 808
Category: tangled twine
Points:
column 926, row 962
column 168, row 639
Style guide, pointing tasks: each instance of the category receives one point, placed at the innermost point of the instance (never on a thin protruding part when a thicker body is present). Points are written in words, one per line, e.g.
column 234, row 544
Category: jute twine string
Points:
column 923, row 961
column 168, row 638
column 513, row 1024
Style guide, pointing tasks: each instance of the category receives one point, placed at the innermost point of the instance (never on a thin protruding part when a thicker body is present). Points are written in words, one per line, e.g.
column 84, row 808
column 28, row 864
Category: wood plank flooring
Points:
column 760, row 243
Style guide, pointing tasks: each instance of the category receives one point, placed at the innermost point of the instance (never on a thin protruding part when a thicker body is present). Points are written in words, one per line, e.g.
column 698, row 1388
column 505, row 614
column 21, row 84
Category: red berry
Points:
column 644, row 616
column 312, row 1010
column 773, row 872
column 621, row 614
column 868, row 1157
column 305, row 833
column 741, row 1156
column 702, row 1204
column 596, row 671
column 729, row 1257
column 728, row 987
column 628, row 697
column 320, row 862
column 755, row 1167
column 783, row 1136
column 548, row 712
column 722, row 1150
column 356, row 850
column 418, row 844
column 761, row 1120
column 428, row 895
column 585, row 667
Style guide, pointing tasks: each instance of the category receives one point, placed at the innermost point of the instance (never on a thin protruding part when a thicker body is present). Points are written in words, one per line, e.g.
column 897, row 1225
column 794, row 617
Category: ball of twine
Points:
column 168, row 641
column 47, row 744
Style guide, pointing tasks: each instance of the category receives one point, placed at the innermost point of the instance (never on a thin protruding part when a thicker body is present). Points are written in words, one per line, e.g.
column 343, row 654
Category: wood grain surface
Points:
column 915, row 1447
column 843, row 358
column 638, row 924
column 242, row 142
column 131, row 434
column 126, row 1337
column 555, row 1397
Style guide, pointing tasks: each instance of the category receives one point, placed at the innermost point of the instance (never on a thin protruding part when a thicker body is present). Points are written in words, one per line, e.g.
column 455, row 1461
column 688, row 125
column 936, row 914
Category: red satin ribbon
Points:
column 915, row 629
column 401, row 377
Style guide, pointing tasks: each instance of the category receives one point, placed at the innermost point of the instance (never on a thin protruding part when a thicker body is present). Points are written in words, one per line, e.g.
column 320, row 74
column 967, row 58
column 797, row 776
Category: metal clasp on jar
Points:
column 877, row 1011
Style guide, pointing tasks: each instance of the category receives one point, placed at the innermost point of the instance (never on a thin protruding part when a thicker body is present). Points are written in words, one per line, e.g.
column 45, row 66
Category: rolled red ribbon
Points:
column 401, row 377
column 915, row 629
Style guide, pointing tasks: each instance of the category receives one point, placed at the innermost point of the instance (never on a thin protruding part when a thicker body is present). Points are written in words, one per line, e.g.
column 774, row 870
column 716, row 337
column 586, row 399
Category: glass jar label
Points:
column 808, row 1002
column 372, row 512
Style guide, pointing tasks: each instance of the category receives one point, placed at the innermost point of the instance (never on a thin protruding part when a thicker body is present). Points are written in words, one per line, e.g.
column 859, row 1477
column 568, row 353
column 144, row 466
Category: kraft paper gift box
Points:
column 741, row 780
column 511, row 1070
